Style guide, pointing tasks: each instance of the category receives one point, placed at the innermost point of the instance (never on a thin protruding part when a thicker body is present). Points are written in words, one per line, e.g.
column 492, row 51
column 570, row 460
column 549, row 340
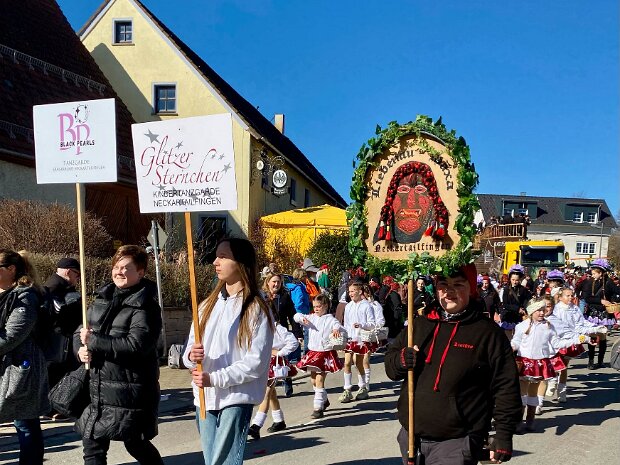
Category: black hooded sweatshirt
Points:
column 465, row 374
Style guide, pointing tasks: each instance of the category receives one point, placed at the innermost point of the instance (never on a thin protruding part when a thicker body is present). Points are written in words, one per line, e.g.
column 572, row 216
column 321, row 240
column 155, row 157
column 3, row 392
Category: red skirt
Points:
column 572, row 351
column 292, row 371
column 360, row 347
column 545, row 368
column 327, row 361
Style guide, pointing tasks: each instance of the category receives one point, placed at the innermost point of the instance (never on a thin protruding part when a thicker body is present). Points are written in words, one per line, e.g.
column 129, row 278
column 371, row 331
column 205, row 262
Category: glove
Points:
column 500, row 455
column 407, row 358
column 501, row 450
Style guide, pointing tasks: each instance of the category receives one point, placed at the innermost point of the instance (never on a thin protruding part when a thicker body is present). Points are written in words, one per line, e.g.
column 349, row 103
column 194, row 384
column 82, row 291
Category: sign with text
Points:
column 75, row 142
column 412, row 199
column 185, row 164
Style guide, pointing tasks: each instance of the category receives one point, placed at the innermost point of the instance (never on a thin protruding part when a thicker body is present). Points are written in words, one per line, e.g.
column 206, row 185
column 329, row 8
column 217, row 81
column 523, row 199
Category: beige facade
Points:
column 14, row 177
column 154, row 57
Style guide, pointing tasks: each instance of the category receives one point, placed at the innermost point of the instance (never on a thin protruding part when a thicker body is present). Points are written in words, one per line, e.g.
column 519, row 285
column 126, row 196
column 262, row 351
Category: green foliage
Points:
column 331, row 249
column 467, row 180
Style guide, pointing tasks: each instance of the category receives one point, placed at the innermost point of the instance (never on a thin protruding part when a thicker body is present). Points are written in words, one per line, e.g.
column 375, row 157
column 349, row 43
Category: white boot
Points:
column 561, row 392
column 552, row 387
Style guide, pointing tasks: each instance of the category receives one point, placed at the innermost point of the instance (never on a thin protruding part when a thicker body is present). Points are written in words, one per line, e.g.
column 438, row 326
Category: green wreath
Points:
column 467, row 179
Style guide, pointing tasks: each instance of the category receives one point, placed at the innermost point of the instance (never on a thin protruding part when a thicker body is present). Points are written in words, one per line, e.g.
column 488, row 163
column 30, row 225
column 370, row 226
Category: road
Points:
column 584, row 430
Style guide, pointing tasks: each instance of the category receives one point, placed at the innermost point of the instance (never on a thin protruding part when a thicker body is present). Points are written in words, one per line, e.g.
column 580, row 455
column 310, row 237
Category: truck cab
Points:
column 533, row 254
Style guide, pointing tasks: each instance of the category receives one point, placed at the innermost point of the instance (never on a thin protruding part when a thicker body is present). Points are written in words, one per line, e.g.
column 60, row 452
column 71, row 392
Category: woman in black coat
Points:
column 120, row 344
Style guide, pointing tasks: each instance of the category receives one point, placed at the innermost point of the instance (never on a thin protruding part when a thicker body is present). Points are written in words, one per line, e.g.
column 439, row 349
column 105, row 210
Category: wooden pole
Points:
column 410, row 385
column 80, row 218
column 194, row 296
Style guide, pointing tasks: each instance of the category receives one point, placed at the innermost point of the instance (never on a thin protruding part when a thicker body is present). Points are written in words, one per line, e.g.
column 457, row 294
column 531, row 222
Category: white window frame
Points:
column 115, row 22
column 155, row 87
column 508, row 211
column 577, row 219
column 585, row 248
column 594, row 220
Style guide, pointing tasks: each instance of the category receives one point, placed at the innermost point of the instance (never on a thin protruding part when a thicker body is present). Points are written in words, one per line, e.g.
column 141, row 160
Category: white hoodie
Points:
column 320, row 329
column 541, row 342
column 572, row 318
column 237, row 375
column 361, row 313
column 284, row 341
column 377, row 310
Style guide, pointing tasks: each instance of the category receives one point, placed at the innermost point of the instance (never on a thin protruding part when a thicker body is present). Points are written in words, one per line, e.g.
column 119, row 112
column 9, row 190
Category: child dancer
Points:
column 284, row 342
column 357, row 315
column 377, row 311
column 320, row 359
column 536, row 342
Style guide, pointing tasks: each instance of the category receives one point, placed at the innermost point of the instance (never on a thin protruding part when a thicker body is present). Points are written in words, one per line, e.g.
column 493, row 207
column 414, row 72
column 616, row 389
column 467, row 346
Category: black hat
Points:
column 68, row 263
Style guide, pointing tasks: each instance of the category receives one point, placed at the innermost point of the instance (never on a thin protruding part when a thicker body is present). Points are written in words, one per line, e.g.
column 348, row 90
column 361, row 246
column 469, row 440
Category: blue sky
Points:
column 531, row 85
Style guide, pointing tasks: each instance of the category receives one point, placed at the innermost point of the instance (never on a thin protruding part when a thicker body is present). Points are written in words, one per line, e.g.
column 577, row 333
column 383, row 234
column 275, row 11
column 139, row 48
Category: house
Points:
column 43, row 61
column 583, row 225
column 160, row 77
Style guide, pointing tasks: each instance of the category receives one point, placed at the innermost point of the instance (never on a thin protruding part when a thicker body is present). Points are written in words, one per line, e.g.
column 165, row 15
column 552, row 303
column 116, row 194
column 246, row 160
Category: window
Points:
column 293, row 191
column 523, row 211
column 592, row 217
column 165, row 98
column 212, row 229
column 578, row 217
column 306, row 198
column 123, row 32
column 508, row 212
column 586, row 248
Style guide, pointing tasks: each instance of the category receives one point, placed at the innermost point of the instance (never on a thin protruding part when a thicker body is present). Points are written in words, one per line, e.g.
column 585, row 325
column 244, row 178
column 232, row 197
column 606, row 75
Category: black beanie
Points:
column 243, row 251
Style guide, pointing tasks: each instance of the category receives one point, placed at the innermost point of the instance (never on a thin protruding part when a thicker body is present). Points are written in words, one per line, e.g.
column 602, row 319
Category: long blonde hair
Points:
column 25, row 272
column 251, row 298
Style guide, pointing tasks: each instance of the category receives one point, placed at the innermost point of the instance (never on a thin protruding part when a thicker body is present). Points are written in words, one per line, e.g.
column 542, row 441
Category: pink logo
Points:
column 74, row 135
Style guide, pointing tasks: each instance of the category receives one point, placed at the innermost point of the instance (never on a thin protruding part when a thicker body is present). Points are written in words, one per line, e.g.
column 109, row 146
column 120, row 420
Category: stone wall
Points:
column 178, row 321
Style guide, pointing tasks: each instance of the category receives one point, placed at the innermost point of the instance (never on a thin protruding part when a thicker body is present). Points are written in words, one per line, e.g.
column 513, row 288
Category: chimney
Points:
column 278, row 122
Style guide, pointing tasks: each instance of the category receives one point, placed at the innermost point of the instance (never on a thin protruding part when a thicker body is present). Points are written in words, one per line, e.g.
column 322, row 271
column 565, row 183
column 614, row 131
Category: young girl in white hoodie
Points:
column 237, row 335
column 284, row 342
column 537, row 344
column 321, row 358
column 377, row 311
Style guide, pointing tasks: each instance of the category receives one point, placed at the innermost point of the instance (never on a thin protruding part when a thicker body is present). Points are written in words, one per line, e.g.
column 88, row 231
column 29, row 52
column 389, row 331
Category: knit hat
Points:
column 554, row 291
column 68, row 263
column 535, row 304
column 485, row 277
column 308, row 265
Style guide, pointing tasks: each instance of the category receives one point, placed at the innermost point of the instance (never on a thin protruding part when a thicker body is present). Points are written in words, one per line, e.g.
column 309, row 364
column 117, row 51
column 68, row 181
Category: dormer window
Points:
column 592, row 218
column 123, row 31
column 578, row 217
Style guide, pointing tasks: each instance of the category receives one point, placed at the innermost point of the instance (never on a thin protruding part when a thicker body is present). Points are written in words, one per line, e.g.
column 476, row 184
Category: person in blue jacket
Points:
column 301, row 303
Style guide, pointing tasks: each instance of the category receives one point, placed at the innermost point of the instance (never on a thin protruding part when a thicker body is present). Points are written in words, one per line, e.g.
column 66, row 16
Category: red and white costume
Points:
column 320, row 356
column 360, row 313
column 538, row 349
column 568, row 321
column 284, row 342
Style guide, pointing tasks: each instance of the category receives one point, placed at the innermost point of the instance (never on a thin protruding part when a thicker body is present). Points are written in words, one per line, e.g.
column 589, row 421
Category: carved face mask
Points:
column 412, row 210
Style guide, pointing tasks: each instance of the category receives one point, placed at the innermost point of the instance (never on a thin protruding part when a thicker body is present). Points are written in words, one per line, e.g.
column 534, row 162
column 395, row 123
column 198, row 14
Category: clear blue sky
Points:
column 532, row 86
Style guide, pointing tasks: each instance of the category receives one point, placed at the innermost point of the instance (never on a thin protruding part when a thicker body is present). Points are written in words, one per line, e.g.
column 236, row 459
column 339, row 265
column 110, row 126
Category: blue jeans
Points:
column 223, row 434
column 30, row 441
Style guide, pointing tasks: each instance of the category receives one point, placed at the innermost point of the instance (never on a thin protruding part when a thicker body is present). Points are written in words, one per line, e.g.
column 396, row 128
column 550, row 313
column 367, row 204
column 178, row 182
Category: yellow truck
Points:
column 533, row 254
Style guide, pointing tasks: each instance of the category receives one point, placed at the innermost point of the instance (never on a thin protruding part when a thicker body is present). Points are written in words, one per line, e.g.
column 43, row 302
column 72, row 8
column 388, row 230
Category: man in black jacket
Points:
column 465, row 374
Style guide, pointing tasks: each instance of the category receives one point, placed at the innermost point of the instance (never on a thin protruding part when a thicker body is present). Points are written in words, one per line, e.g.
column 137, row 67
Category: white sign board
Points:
column 75, row 142
column 185, row 164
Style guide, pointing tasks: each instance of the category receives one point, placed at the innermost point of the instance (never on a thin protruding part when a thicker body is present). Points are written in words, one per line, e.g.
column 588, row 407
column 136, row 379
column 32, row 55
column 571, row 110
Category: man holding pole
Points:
column 464, row 375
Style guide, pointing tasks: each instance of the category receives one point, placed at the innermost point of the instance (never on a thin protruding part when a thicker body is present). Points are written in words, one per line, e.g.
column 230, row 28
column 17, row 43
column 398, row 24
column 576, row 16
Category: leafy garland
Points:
column 467, row 179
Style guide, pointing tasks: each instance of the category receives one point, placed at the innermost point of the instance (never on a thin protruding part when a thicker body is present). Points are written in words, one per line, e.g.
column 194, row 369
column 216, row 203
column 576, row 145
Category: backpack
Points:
column 175, row 356
column 614, row 359
column 312, row 289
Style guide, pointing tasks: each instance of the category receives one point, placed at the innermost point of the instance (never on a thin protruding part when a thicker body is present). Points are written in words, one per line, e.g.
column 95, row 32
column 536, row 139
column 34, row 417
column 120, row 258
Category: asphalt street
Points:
column 583, row 430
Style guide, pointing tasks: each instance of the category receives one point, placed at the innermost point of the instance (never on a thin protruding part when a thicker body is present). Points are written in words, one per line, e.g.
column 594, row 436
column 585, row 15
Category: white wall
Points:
column 20, row 183
column 570, row 244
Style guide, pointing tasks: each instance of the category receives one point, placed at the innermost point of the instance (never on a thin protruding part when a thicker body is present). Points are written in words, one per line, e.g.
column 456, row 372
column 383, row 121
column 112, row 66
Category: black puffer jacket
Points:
column 124, row 375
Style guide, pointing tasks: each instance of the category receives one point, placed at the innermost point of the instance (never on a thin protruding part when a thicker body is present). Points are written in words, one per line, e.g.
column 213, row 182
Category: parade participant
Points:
column 490, row 297
column 67, row 303
column 322, row 279
column 555, row 280
column 281, row 304
column 300, row 297
column 514, row 299
column 461, row 360
column 568, row 320
column 237, row 336
column 357, row 315
column 120, row 344
column 321, row 358
column 537, row 345
column 284, row 342
column 377, row 311
column 421, row 297
column 19, row 304
column 392, row 308
column 597, row 292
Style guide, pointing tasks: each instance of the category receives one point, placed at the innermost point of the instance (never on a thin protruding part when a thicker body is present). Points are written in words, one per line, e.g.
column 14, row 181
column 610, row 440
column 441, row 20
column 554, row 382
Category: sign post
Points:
column 157, row 237
column 413, row 211
column 186, row 165
column 75, row 142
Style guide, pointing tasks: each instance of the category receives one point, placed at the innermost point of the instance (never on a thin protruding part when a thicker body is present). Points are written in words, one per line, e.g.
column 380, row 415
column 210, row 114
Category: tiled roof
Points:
column 245, row 109
column 549, row 212
column 37, row 44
